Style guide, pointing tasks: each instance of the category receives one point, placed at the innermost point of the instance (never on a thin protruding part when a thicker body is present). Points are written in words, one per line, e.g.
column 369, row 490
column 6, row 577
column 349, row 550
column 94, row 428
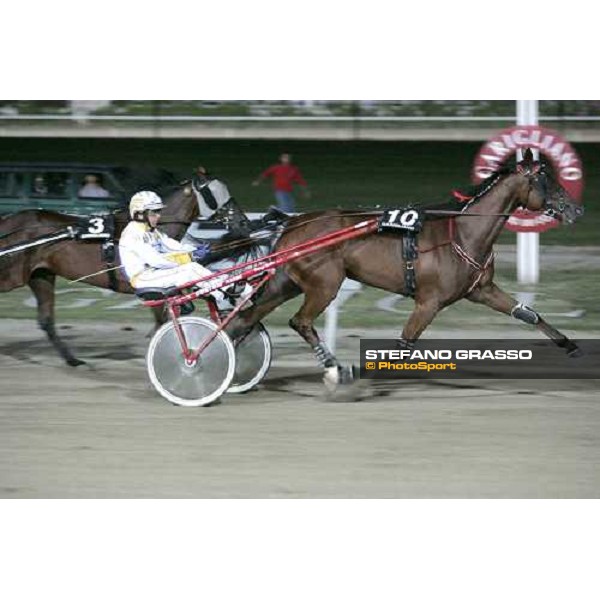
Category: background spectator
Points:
column 92, row 188
column 284, row 175
column 40, row 188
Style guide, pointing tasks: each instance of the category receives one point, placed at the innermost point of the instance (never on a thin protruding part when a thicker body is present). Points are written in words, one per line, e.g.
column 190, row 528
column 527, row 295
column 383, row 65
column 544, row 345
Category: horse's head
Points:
column 541, row 191
column 216, row 203
column 210, row 193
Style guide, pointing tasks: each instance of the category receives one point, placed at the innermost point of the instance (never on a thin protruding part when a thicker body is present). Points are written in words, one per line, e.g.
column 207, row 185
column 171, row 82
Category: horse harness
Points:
column 101, row 228
column 408, row 222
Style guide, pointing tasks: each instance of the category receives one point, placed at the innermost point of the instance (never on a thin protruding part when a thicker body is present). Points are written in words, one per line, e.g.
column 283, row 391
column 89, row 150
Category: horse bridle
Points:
column 538, row 181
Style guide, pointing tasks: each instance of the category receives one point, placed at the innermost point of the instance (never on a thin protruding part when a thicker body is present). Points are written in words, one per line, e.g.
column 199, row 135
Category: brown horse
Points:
column 454, row 261
column 38, row 267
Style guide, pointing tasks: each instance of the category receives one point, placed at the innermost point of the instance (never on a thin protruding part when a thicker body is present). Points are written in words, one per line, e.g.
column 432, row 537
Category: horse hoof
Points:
column 331, row 378
column 349, row 375
column 575, row 352
column 75, row 362
column 341, row 384
column 337, row 375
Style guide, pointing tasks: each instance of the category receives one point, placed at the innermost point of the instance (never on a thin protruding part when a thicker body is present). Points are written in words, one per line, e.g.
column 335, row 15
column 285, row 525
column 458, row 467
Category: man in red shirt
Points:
column 284, row 176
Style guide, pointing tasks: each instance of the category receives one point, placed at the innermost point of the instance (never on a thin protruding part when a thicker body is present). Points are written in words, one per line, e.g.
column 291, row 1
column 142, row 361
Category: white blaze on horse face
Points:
column 217, row 193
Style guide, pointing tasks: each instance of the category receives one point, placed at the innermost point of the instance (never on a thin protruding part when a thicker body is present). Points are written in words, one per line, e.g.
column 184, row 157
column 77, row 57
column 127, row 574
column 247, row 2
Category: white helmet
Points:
column 144, row 201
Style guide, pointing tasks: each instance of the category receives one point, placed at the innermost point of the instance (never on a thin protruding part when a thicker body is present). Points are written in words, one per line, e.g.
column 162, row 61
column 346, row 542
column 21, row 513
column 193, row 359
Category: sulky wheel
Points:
column 252, row 360
column 190, row 384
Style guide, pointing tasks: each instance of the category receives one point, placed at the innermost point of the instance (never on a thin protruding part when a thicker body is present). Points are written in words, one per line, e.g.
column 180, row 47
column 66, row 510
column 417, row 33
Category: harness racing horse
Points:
column 72, row 259
column 455, row 261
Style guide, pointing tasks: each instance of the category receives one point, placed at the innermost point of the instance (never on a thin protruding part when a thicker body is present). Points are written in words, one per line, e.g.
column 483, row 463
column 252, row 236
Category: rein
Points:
column 32, row 228
column 450, row 213
column 458, row 213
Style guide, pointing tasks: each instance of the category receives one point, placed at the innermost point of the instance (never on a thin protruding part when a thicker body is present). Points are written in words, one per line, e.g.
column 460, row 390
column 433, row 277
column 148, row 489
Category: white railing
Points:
column 208, row 118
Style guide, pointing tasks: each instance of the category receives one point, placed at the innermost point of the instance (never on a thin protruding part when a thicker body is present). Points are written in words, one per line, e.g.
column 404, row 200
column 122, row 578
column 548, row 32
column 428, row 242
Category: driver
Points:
column 153, row 259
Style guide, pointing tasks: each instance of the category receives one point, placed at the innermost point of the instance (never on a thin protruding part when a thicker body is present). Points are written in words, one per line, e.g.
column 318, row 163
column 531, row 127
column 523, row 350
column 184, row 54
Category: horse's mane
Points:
column 478, row 190
column 460, row 198
column 456, row 200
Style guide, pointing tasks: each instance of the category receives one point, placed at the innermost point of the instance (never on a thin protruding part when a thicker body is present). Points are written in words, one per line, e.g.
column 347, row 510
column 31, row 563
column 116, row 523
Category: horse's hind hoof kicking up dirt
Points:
column 342, row 384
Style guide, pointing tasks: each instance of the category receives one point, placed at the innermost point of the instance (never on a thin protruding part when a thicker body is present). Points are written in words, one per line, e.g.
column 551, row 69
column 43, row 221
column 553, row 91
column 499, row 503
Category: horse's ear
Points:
column 527, row 164
column 528, row 156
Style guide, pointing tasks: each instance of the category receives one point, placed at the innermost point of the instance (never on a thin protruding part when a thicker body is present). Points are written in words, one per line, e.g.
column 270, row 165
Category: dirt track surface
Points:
column 101, row 431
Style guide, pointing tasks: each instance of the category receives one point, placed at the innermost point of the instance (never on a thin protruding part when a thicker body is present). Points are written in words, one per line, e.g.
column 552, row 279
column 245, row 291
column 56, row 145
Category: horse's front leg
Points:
column 491, row 295
column 420, row 318
column 41, row 283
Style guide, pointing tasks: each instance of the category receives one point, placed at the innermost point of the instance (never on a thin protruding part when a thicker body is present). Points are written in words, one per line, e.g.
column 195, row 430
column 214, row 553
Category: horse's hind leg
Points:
column 42, row 286
column 491, row 295
column 317, row 296
column 161, row 316
column 278, row 290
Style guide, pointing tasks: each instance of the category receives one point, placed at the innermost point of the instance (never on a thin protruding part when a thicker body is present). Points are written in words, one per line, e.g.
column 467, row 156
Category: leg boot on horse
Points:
column 494, row 297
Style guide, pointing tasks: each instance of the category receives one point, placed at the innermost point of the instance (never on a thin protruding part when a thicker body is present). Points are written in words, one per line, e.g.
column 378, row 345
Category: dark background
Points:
column 339, row 173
